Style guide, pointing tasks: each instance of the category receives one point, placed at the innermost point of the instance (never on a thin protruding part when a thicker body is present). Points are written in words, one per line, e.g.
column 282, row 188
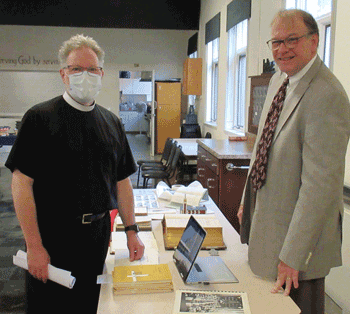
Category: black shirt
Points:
column 75, row 157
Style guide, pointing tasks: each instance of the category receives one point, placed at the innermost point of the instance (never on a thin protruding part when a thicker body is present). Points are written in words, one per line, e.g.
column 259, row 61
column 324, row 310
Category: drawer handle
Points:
column 201, row 175
column 208, row 183
column 230, row 166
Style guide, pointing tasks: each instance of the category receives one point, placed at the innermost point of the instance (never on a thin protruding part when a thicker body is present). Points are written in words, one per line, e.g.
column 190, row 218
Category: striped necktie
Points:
column 259, row 168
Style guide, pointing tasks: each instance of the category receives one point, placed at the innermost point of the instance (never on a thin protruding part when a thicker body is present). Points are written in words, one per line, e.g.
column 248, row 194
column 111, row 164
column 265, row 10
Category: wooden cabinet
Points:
column 224, row 175
column 207, row 173
column 192, row 77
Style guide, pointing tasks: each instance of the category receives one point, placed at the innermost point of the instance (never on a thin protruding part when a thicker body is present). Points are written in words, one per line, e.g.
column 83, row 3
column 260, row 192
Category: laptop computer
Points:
column 193, row 269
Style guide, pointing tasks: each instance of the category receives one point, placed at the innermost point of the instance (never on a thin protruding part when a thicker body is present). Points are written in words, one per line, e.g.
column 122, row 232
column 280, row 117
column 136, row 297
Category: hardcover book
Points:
column 175, row 224
column 142, row 279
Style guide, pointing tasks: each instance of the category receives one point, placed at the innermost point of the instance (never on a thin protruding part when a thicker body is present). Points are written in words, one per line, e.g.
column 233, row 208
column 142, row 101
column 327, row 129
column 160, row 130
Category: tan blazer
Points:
column 297, row 214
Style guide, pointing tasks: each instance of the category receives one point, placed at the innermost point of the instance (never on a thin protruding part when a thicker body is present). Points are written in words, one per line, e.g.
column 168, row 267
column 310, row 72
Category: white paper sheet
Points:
column 119, row 248
column 60, row 276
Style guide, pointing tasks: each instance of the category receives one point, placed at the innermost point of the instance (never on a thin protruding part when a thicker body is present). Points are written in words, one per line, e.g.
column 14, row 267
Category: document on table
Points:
column 119, row 248
column 60, row 276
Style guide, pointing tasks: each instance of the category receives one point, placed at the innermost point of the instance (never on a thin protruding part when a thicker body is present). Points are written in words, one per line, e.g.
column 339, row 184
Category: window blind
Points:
column 237, row 11
column 192, row 44
column 212, row 29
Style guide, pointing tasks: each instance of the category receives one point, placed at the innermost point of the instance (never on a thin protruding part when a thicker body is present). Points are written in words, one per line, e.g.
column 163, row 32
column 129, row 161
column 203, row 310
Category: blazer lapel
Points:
column 298, row 93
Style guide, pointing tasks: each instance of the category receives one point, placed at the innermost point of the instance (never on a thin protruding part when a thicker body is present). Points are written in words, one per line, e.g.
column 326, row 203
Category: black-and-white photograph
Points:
column 211, row 302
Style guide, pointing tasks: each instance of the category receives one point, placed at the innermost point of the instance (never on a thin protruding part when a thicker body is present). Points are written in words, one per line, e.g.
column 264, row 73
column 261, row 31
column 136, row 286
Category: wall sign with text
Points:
column 23, row 62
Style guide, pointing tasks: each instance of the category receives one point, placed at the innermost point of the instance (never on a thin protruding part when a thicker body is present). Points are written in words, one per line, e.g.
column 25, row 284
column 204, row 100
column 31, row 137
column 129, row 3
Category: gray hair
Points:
column 308, row 19
column 79, row 41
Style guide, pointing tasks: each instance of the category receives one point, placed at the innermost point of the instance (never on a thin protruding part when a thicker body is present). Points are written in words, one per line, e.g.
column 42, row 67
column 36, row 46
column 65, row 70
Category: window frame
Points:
column 323, row 21
column 212, row 84
column 235, row 118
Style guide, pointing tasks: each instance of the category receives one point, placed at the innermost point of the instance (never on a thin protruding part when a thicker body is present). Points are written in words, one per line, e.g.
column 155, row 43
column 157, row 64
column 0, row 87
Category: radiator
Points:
column 338, row 281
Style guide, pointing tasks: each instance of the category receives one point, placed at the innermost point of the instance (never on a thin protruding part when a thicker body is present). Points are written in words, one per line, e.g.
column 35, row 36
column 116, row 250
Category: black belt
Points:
column 89, row 218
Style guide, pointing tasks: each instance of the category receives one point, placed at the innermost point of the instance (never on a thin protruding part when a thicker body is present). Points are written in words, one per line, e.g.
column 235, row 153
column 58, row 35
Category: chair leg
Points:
column 138, row 176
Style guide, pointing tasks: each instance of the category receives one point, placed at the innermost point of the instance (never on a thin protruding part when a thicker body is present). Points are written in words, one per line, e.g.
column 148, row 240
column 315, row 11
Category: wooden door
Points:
column 168, row 113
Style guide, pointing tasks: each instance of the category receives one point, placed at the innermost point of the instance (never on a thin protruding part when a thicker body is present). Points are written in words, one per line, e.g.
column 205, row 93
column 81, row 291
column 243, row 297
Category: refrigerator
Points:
column 168, row 112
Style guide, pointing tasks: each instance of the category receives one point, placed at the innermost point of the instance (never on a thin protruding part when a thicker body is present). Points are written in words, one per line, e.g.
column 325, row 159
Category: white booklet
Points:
column 209, row 301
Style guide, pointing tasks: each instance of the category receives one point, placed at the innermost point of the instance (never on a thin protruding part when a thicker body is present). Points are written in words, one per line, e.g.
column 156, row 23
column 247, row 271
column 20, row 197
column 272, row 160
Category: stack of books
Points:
column 142, row 279
column 141, row 217
column 175, row 224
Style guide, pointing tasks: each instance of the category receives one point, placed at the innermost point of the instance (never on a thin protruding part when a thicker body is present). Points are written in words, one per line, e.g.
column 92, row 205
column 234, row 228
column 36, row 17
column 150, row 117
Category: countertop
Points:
column 225, row 149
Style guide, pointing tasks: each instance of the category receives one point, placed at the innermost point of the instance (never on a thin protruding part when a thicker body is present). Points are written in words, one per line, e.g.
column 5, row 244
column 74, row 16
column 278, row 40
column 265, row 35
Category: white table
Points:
column 189, row 147
column 261, row 301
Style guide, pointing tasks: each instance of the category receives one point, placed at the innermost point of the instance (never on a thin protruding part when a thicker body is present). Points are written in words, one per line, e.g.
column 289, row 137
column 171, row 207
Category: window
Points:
column 236, row 80
column 321, row 10
column 327, row 45
column 212, row 80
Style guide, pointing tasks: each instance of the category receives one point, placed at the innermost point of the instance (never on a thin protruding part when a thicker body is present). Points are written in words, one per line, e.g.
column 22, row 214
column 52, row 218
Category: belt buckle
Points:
column 83, row 220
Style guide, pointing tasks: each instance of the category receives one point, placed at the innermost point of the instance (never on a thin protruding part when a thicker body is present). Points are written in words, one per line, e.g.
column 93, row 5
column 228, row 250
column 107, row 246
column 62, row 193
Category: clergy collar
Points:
column 76, row 105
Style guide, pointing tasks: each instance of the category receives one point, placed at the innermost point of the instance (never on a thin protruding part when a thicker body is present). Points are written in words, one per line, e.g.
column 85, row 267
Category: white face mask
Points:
column 84, row 87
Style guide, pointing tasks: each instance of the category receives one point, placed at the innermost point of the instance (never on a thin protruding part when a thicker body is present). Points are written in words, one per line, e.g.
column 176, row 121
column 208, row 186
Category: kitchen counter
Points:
column 225, row 149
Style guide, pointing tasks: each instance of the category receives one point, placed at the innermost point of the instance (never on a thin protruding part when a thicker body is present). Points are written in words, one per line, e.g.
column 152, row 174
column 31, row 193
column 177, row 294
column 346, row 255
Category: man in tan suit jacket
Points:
column 293, row 223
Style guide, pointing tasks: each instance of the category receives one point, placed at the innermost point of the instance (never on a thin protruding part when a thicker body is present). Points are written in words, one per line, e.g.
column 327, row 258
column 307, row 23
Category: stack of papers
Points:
column 144, row 222
column 145, row 198
column 194, row 194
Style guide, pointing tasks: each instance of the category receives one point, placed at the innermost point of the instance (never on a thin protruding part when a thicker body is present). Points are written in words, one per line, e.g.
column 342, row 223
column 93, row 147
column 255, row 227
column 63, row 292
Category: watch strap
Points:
column 133, row 227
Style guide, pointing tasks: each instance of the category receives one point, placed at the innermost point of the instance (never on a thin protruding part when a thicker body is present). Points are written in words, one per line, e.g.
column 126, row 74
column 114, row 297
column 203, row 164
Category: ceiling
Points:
column 144, row 14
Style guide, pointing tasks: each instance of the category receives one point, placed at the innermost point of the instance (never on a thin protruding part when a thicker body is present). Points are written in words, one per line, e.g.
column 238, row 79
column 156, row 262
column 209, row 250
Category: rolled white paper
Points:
column 58, row 275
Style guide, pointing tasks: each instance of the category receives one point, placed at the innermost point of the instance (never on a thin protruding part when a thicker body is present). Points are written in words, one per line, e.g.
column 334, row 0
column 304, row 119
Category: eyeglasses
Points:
column 290, row 42
column 78, row 69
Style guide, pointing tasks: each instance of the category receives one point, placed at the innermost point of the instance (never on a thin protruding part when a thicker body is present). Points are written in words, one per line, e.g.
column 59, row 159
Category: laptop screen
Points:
column 188, row 247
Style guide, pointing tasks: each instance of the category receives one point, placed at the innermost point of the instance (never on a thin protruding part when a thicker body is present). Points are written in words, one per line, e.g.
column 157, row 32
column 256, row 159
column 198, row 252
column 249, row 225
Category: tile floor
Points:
column 12, row 292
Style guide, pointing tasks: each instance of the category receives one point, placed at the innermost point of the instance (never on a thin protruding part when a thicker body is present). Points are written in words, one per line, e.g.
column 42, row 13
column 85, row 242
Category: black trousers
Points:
column 310, row 296
column 82, row 251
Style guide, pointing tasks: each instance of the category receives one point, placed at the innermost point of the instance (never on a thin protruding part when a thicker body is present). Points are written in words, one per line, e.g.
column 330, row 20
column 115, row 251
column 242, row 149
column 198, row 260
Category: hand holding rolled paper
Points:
column 60, row 276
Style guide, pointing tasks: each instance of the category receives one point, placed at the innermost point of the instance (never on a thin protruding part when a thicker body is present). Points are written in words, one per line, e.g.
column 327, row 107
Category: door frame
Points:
column 153, row 105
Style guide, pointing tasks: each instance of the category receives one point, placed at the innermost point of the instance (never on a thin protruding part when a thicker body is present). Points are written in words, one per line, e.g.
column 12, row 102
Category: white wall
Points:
column 161, row 50
column 259, row 32
column 341, row 65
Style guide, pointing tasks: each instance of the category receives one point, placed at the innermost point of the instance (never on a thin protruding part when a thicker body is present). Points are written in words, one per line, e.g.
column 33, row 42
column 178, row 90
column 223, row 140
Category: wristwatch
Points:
column 134, row 227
